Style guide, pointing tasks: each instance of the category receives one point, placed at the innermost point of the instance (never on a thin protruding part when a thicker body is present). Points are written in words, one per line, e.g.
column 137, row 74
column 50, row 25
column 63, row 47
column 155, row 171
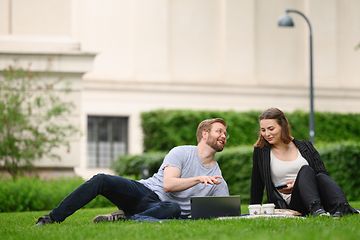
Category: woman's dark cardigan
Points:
column 261, row 175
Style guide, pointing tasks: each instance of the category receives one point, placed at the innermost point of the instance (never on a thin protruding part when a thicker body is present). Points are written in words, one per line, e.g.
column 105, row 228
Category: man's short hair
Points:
column 206, row 124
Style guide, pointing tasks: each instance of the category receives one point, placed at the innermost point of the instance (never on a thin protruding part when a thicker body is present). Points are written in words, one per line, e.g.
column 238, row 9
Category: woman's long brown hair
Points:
column 279, row 116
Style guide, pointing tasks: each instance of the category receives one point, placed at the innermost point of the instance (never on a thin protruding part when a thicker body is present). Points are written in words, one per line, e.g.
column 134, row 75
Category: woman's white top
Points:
column 283, row 171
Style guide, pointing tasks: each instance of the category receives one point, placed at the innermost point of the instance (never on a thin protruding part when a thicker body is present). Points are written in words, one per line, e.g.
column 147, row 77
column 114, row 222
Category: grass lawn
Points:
column 79, row 226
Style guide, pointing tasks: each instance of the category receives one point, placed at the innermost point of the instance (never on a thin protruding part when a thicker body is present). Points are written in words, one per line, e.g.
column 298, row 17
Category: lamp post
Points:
column 286, row 21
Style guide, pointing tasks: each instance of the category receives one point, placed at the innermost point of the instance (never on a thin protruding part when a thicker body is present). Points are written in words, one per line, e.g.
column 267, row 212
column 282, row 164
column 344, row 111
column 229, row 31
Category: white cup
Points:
column 255, row 209
column 268, row 209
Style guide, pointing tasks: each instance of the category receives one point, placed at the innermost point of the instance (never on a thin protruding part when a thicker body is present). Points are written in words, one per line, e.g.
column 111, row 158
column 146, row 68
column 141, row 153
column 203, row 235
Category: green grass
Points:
column 20, row 225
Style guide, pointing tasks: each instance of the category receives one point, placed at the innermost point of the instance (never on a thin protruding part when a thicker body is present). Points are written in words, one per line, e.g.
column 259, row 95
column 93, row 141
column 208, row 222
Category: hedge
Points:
column 343, row 162
column 34, row 194
column 341, row 159
column 165, row 129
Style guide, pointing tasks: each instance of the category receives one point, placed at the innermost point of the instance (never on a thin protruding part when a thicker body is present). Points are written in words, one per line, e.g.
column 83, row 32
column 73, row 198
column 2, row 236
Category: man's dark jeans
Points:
column 137, row 201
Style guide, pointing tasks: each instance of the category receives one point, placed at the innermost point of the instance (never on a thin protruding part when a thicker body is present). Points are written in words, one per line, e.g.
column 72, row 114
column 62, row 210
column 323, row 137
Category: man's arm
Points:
column 174, row 183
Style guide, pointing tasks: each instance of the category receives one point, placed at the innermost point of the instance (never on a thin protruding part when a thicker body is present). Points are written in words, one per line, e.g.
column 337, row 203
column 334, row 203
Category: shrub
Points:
column 342, row 160
column 236, row 165
column 32, row 120
column 165, row 129
column 34, row 194
column 343, row 163
column 139, row 166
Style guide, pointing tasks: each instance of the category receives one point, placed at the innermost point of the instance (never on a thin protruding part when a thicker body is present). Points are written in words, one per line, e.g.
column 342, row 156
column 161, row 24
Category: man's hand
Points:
column 174, row 183
column 210, row 179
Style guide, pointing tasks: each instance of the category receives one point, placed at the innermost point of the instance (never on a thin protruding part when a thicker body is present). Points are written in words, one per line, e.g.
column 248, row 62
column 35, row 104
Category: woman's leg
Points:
column 305, row 197
column 330, row 192
column 124, row 193
column 332, row 196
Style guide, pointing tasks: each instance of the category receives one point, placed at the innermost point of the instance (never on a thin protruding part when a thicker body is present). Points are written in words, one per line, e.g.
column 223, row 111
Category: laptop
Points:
column 215, row 206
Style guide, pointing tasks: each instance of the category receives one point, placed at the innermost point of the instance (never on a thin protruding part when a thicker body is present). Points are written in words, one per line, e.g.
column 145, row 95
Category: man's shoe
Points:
column 44, row 220
column 115, row 216
column 320, row 212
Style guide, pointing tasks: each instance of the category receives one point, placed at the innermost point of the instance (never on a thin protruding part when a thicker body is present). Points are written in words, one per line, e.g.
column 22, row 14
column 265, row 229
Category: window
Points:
column 107, row 140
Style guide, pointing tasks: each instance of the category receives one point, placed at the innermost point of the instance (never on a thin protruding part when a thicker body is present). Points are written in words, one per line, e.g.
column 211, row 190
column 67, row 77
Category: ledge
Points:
column 44, row 44
column 215, row 88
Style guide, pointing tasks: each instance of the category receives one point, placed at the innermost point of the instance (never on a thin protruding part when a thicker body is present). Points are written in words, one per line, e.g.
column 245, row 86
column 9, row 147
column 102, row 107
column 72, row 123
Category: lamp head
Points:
column 286, row 21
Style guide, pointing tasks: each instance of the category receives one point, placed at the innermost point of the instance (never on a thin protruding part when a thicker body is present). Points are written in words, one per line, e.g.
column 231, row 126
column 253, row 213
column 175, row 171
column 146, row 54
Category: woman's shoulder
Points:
column 257, row 148
column 260, row 149
column 301, row 142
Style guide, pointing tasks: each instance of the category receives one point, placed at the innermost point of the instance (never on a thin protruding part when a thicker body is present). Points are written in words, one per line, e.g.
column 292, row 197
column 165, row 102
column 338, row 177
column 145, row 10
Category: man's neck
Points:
column 206, row 154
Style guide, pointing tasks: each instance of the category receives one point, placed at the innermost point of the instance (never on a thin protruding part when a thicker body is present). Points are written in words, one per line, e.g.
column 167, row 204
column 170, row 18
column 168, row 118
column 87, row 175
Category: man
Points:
column 185, row 172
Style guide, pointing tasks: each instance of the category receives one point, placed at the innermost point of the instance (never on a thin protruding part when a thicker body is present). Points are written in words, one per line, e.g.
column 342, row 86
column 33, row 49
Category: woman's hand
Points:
column 289, row 188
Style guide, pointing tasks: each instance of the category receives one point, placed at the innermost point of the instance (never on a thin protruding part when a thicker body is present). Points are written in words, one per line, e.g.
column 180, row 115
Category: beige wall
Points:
column 227, row 41
column 41, row 17
column 203, row 54
column 220, row 54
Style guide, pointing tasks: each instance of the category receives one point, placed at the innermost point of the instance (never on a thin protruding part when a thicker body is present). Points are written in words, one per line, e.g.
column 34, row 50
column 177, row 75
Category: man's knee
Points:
column 99, row 177
column 173, row 208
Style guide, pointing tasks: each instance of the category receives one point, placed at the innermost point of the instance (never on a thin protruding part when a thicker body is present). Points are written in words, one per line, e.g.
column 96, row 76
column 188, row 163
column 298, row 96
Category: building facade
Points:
column 130, row 56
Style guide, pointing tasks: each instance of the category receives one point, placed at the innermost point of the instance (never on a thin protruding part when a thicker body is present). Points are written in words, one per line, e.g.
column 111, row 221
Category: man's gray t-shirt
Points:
column 186, row 158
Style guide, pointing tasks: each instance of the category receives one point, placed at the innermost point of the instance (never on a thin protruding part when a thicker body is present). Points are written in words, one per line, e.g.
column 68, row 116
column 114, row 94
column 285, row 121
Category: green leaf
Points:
column 26, row 133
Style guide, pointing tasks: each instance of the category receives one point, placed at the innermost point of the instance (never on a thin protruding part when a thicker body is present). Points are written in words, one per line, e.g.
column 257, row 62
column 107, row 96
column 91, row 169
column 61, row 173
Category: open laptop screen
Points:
column 215, row 206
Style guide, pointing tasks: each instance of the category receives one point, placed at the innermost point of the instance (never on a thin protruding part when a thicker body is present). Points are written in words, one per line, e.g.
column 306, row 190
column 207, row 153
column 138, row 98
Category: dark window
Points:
column 107, row 140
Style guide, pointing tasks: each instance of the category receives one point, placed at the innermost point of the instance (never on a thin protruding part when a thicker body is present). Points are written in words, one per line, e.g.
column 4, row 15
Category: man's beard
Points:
column 212, row 142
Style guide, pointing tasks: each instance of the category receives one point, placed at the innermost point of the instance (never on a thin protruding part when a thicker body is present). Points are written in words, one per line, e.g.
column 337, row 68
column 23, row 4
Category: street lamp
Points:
column 286, row 21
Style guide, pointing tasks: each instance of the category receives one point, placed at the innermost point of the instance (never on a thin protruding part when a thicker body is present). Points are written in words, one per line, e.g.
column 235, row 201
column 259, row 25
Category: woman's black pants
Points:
column 312, row 188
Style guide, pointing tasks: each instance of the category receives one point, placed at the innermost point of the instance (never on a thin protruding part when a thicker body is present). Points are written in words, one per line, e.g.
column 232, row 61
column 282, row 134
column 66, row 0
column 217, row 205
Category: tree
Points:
column 33, row 119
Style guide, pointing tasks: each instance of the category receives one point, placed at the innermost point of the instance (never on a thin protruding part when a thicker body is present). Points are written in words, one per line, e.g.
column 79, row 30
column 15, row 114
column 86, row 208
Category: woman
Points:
column 292, row 172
